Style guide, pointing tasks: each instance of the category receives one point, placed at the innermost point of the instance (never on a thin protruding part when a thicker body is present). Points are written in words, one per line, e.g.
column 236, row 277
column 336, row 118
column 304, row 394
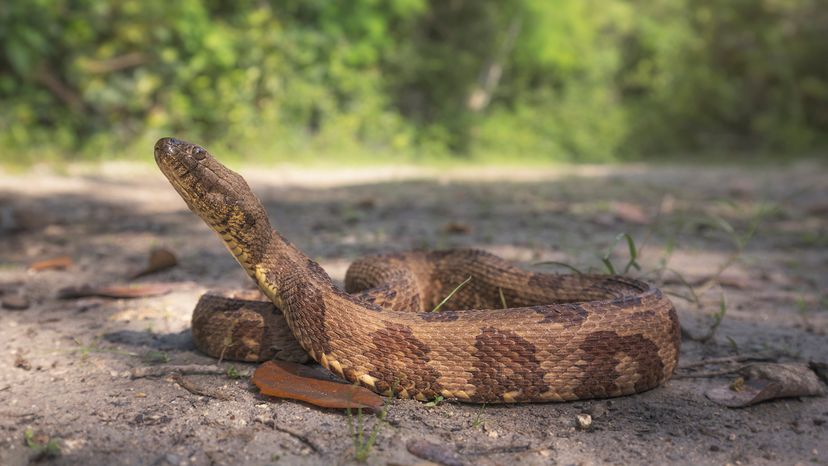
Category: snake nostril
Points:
column 166, row 144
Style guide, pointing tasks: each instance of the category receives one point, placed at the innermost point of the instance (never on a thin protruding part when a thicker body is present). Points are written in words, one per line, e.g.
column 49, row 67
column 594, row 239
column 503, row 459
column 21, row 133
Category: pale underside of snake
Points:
column 563, row 337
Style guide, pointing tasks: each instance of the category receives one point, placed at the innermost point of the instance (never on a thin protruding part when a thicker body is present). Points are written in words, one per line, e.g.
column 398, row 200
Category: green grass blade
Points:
column 437, row 307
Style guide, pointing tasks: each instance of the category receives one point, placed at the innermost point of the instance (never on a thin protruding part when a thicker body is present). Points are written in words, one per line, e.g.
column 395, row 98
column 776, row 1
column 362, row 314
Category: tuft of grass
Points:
column 455, row 290
column 561, row 264
column 156, row 357
column 85, row 349
column 233, row 373
column 436, row 401
column 717, row 317
column 478, row 418
column 41, row 449
column 363, row 444
column 631, row 263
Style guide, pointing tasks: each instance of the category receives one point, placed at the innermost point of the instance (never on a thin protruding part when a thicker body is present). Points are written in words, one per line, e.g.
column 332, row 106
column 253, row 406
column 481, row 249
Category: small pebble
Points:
column 599, row 410
column 584, row 421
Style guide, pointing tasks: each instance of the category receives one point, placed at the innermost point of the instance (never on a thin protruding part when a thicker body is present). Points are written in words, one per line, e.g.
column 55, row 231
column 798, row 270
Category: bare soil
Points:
column 64, row 369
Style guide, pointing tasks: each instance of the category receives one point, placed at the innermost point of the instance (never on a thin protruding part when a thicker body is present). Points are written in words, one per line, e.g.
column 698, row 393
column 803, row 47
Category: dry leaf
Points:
column 457, row 228
column 15, row 302
column 57, row 263
column 284, row 379
column 159, row 259
column 766, row 381
column 630, row 213
column 115, row 291
column 367, row 203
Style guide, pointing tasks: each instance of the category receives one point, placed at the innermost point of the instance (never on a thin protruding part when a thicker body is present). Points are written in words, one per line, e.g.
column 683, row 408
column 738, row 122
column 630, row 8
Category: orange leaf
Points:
column 57, row 263
column 284, row 379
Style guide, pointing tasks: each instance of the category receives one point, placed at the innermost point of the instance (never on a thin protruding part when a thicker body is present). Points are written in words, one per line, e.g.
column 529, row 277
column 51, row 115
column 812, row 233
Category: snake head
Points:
column 204, row 183
column 215, row 193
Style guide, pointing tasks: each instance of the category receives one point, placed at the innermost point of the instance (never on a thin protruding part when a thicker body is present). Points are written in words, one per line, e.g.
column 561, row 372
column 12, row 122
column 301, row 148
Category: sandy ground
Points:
column 65, row 363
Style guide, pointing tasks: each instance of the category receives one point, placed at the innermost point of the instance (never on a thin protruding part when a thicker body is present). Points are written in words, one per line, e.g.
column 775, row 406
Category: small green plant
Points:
column 41, row 449
column 436, row 401
column 802, row 305
column 233, row 373
column 364, row 444
column 478, row 418
column 502, row 298
column 632, row 262
column 156, row 357
column 455, row 290
column 717, row 319
column 85, row 349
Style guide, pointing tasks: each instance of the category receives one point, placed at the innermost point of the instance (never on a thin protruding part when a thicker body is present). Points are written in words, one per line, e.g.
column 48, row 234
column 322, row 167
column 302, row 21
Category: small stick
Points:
column 298, row 437
column 727, row 360
column 186, row 369
column 709, row 374
column 196, row 390
column 498, row 450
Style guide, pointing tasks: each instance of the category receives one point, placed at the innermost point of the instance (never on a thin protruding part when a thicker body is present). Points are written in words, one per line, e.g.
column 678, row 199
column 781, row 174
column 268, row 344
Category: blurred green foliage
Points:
column 577, row 80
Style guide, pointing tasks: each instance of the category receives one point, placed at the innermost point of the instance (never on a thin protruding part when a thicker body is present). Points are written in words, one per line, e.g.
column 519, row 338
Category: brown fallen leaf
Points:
column 367, row 203
column 457, row 228
column 115, row 291
column 284, row 379
column 15, row 302
column 57, row 263
column 630, row 213
column 766, row 381
column 159, row 259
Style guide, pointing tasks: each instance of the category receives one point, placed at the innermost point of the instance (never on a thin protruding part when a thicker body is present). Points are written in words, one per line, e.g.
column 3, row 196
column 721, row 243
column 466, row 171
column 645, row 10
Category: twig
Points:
column 196, row 390
column 62, row 91
column 498, row 450
column 727, row 360
column 118, row 63
column 186, row 369
column 298, row 437
column 709, row 374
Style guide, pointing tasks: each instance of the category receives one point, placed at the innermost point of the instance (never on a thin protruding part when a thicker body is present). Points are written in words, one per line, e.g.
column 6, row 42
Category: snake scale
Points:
column 564, row 337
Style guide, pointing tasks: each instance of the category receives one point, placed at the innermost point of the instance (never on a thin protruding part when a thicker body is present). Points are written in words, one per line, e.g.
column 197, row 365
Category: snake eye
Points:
column 199, row 153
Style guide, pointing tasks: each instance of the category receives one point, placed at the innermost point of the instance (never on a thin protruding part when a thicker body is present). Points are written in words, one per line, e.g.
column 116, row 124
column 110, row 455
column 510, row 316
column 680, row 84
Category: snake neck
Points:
column 283, row 268
column 293, row 282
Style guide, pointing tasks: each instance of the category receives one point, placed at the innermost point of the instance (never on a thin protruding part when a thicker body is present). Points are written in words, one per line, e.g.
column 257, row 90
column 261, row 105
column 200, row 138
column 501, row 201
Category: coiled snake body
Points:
column 566, row 337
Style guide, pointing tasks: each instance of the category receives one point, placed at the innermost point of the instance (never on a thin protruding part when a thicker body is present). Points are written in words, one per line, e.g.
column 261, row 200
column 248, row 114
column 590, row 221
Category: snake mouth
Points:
column 176, row 157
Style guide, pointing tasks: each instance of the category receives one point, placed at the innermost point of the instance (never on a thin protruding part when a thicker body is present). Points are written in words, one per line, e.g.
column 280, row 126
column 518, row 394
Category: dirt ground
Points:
column 64, row 369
